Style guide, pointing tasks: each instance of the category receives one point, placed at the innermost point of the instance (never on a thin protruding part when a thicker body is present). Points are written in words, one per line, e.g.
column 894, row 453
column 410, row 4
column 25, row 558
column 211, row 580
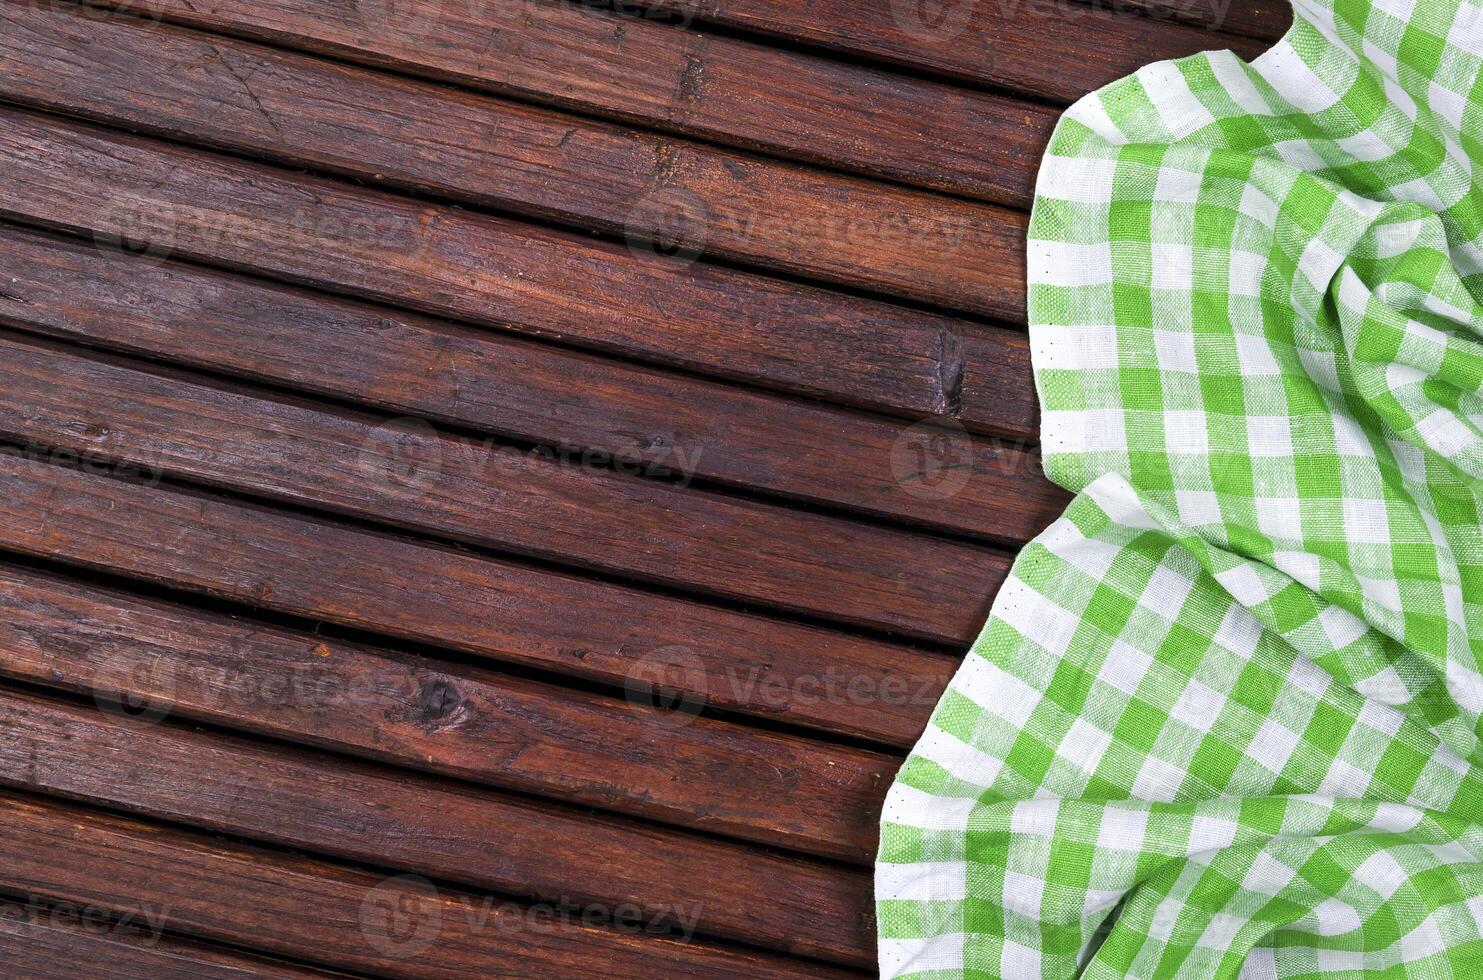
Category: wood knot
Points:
column 437, row 700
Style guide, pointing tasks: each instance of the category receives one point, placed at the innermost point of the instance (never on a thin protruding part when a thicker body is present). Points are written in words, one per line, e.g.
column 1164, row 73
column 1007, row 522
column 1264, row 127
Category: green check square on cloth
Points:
column 1224, row 719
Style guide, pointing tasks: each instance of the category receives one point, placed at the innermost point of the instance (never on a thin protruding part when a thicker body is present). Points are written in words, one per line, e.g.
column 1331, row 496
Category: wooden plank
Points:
column 1267, row 20
column 333, row 915
column 364, row 814
column 516, row 389
column 491, row 271
column 730, row 91
column 42, row 942
column 494, row 153
column 1056, row 51
column 507, row 733
column 452, row 720
column 492, row 495
column 986, row 391
column 324, row 570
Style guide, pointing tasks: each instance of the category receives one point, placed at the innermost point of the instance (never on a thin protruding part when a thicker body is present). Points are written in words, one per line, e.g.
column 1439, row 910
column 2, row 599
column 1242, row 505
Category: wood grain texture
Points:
column 1263, row 19
column 492, row 495
column 398, row 133
column 620, row 755
column 491, row 271
column 43, row 942
column 509, row 387
column 482, row 710
column 729, row 91
column 324, row 570
column 987, row 390
column 371, row 815
column 70, row 854
column 1056, row 50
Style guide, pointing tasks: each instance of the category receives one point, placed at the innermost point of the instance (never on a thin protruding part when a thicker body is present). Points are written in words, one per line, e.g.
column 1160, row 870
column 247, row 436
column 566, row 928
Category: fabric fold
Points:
column 1224, row 718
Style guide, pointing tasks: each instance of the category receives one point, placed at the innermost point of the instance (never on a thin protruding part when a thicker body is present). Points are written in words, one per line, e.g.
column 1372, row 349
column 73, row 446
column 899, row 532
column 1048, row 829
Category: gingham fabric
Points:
column 1224, row 719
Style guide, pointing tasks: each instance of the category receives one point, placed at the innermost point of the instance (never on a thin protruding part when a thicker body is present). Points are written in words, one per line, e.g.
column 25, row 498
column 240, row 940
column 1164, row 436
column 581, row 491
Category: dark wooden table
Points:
column 497, row 486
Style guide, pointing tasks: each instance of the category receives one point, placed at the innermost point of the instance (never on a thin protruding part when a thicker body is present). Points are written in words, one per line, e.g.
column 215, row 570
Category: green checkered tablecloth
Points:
column 1224, row 720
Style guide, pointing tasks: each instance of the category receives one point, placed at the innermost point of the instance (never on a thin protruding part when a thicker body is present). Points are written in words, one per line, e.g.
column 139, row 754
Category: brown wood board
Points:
column 493, row 153
column 492, row 474
column 507, row 386
column 64, row 853
column 360, row 813
column 491, row 271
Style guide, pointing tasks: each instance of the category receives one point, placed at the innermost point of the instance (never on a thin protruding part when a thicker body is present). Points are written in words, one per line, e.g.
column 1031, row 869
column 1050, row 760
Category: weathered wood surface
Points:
column 617, row 752
column 328, row 913
column 513, row 388
column 487, row 152
column 1265, row 20
column 367, row 579
column 1056, row 49
column 361, row 813
column 730, row 91
column 491, row 271
column 642, row 617
column 492, row 495
column 39, row 941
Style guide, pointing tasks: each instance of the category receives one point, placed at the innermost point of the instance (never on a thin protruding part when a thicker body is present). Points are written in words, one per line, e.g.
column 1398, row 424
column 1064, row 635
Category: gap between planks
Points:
column 492, row 272
column 145, row 765
column 489, row 384
column 65, row 853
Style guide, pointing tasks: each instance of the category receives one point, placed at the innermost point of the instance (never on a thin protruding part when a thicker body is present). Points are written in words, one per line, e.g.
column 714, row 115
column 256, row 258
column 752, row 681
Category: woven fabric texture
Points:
column 1224, row 719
